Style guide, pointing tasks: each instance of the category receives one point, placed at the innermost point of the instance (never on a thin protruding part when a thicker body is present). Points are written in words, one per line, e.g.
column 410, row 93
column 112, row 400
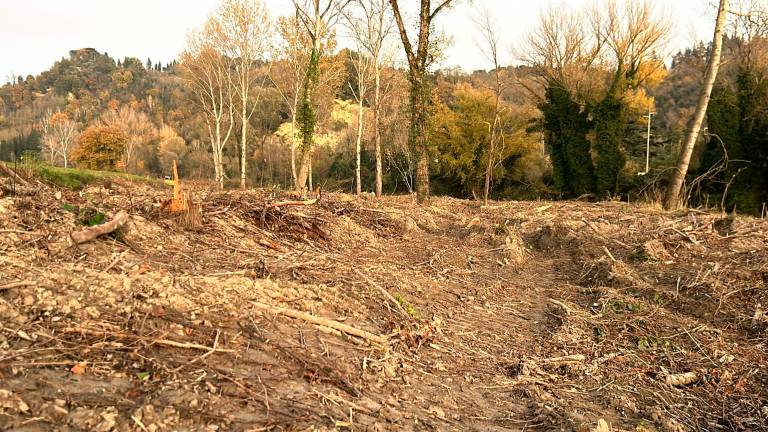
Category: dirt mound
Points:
column 378, row 315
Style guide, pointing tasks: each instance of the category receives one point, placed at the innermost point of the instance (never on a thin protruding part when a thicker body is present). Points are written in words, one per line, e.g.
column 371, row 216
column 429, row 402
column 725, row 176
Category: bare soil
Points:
column 532, row 316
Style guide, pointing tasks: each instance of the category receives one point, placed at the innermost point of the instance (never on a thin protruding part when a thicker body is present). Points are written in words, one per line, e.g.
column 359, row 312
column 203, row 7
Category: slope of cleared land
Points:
column 516, row 316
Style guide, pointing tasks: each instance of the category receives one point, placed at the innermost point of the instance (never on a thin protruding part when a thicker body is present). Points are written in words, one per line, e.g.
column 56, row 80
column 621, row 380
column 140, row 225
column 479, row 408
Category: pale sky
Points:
column 36, row 33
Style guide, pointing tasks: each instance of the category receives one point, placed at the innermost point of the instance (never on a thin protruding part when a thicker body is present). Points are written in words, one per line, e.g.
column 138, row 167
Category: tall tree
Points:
column 362, row 65
column 563, row 54
column 673, row 198
column 99, row 147
column 633, row 34
column 419, row 59
column 318, row 18
column 288, row 75
column 137, row 128
column 241, row 30
column 489, row 46
column 59, row 134
column 371, row 30
column 207, row 73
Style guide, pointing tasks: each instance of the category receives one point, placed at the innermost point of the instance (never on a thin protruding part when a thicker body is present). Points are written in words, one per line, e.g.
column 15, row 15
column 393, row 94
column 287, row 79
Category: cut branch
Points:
column 88, row 234
column 12, row 174
column 381, row 340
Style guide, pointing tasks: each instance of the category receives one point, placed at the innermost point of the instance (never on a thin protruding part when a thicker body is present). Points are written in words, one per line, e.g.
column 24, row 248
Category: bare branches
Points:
column 625, row 36
column 208, row 73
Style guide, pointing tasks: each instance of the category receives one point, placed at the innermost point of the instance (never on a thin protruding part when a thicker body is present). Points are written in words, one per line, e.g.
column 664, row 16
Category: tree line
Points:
column 259, row 100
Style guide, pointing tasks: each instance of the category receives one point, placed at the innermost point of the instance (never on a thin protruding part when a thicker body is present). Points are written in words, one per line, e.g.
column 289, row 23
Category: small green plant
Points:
column 598, row 333
column 658, row 299
column 639, row 255
column 409, row 309
column 620, row 307
column 86, row 216
column 652, row 342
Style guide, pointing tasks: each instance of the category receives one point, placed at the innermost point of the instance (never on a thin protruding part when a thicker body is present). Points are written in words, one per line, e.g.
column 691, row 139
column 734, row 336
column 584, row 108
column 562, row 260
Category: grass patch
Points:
column 72, row 178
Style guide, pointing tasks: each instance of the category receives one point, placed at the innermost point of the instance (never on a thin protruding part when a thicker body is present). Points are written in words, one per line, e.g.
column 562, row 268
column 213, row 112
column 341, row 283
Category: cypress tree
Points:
column 609, row 117
column 566, row 126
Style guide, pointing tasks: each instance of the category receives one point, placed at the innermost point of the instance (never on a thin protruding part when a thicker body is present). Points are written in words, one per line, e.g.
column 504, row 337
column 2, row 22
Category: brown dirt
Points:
column 524, row 316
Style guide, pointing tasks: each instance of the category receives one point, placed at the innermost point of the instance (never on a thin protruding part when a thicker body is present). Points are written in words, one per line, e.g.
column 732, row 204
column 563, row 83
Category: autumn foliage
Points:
column 100, row 147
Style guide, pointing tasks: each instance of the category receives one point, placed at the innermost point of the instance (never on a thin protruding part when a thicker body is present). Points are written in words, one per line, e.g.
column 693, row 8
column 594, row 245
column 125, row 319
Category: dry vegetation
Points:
column 512, row 316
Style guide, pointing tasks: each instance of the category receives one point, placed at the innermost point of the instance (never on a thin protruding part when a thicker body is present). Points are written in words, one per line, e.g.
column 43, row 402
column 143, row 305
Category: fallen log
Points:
column 381, row 340
column 87, row 234
column 12, row 174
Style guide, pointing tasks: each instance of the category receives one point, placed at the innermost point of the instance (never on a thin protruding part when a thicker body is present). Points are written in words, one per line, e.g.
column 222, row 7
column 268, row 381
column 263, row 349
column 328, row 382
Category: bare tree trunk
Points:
column 673, row 197
column 418, row 62
column 301, row 183
column 243, row 142
column 494, row 132
column 377, row 129
column 311, row 186
column 491, row 151
column 294, row 182
column 418, row 132
column 358, row 144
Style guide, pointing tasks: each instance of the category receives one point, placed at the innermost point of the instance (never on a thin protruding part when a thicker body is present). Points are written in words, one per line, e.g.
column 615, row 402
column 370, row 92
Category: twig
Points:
column 381, row 340
column 165, row 342
column 573, row 358
column 610, row 255
column 211, row 351
column 562, row 305
column 385, row 293
column 17, row 285
column 115, row 261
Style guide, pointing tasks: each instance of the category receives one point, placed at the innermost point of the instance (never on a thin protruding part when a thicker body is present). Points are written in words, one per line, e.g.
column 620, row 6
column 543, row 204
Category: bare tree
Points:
column 561, row 48
column 673, row 197
column 489, row 46
column 208, row 75
column 634, row 34
column 288, row 76
column 419, row 58
column 318, row 18
column 241, row 30
column 59, row 133
column 136, row 126
column 362, row 65
column 371, row 29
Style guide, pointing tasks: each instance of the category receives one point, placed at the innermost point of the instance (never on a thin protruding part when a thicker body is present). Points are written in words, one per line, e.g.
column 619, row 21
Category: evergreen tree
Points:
column 738, row 116
column 610, row 121
column 566, row 126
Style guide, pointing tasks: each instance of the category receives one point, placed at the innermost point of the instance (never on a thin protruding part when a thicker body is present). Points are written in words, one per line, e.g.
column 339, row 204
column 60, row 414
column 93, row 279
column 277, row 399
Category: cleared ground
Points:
column 516, row 316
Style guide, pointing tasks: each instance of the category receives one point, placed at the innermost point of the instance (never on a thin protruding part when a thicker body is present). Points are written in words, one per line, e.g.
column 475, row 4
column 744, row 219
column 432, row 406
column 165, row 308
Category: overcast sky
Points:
column 36, row 33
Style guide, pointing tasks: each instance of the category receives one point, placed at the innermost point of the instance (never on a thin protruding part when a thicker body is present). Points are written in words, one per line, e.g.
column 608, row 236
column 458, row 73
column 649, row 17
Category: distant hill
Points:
column 84, row 84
